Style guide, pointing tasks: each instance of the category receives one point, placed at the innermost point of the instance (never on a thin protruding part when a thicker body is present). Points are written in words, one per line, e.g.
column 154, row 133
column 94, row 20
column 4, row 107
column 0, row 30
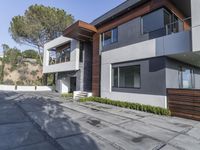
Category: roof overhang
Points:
column 80, row 31
column 183, row 5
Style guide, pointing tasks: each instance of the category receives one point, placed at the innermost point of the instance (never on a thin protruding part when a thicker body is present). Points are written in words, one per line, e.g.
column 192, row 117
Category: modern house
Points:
column 140, row 49
column 71, row 61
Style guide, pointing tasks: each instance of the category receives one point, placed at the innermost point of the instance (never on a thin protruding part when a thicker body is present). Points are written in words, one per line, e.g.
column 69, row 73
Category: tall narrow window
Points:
column 115, row 77
column 109, row 37
column 81, row 48
column 186, row 78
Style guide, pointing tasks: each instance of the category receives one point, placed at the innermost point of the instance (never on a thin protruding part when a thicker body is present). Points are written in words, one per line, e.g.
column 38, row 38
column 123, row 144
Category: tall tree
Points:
column 38, row 25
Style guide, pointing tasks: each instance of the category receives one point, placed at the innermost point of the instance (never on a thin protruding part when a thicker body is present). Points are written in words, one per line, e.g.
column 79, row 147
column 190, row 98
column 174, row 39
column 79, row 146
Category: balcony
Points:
column 61, row 55
column 57, row 57
column 166, row 41
column 175, row 39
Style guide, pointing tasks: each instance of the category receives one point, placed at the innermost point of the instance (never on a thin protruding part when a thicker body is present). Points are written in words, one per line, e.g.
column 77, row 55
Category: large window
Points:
column 186, row 78
column 161, row 22
column 60, row 54
column 109, row 37
column 152, row 22
column 126, row 77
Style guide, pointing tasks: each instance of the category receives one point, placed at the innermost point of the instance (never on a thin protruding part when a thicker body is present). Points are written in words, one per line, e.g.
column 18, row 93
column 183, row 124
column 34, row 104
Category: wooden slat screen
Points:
column 184, row 103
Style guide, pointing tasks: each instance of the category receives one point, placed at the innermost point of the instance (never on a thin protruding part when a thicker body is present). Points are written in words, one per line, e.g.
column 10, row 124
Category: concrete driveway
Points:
column 43, row 121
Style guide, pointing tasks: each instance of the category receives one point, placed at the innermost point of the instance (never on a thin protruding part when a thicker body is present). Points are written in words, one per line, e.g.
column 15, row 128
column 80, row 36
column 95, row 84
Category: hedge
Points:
column 135, row 106
column 67, row 95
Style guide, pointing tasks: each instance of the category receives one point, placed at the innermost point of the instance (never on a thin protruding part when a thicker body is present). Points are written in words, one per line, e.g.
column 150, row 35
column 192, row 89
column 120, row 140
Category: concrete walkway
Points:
column 43, row 121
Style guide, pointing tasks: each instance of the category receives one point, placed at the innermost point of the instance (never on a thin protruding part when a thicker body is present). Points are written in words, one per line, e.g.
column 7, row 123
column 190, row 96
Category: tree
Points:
column 38, row 25
column 30, row 54
column 11, row 55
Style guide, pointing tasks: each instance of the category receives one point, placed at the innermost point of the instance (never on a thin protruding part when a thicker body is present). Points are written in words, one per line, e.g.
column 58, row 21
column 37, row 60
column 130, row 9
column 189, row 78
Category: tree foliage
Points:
column 30, row 54
column 11, row 55
column 38, row 25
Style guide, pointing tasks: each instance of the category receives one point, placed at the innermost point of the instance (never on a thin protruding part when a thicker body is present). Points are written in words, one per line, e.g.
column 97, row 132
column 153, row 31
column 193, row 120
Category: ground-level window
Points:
column 126, row 77
column 186, row 78
column 109, row 37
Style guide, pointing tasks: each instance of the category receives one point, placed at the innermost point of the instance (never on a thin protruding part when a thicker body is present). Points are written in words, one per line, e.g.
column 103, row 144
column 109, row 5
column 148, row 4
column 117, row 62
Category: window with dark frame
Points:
column 126, row 77
column 109, row 37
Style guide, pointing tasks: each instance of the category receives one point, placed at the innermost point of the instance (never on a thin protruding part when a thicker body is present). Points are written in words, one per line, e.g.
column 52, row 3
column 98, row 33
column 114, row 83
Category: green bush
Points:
column 67, row 95
column 19, row 83
column 30, row 54
column 9, row 82
column 135, row 106
column 33, row 73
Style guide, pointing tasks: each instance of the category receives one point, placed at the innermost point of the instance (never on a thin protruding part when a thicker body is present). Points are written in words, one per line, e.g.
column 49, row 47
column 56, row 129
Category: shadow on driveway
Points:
column 43, row 121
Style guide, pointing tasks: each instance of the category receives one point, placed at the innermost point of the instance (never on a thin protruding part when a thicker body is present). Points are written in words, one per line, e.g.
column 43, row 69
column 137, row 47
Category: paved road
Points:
column 43, row 121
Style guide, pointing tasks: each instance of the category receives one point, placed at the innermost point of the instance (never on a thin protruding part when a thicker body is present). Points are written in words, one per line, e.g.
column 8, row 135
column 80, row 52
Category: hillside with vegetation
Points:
column 20, row 68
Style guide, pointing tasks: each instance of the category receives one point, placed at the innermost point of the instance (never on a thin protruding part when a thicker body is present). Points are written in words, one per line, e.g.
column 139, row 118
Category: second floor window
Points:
column 109, row 37
column 161, row 22
column 60, row 54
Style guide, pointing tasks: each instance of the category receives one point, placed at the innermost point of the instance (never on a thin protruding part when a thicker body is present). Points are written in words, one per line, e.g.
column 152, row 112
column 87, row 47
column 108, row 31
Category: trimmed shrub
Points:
column 135, row 106
column 67, row 95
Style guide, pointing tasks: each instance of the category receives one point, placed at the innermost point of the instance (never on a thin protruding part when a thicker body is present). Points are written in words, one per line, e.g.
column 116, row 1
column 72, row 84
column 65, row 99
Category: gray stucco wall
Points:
column 172, row 77
column 158, row 74
column 131, row 32
column 152, row 73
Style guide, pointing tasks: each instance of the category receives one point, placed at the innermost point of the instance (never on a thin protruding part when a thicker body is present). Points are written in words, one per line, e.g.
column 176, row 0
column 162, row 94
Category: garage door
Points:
column 184, row 103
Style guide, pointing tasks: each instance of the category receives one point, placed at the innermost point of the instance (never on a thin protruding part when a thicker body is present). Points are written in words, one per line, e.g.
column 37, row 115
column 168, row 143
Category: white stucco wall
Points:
column 195, row 5
column 73, row 64
column 63, row 85
column 25, row 88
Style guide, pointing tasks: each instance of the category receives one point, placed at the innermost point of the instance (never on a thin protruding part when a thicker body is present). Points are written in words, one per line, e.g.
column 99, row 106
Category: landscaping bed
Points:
column 135, row 106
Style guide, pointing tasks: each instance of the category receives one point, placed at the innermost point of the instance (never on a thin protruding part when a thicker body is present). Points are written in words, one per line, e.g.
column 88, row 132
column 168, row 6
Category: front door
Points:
column 72, row 84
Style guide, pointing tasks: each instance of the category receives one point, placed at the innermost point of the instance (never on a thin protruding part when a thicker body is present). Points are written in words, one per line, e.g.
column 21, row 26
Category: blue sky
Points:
column 86, row 10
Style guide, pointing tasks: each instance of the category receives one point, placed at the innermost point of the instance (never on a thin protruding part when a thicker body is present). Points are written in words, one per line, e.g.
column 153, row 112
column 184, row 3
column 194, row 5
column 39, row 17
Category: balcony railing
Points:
column 58, row 60
column 172, row 28
column 178, row 26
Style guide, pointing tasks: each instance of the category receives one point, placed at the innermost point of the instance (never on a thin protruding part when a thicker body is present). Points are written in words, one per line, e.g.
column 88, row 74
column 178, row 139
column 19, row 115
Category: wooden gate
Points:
column 184, row 103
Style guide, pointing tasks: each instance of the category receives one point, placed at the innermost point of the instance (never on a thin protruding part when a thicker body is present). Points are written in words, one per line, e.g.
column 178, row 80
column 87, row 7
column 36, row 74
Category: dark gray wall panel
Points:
column 152, row 77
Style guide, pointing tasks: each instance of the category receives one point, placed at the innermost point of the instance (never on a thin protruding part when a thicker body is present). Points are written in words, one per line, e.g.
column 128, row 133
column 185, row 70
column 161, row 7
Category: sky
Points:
column 86, row 10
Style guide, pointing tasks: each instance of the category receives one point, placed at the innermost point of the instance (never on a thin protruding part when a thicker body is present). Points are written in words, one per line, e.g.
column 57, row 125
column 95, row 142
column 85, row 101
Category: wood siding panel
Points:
column 140, row 11
column 184, row 103
column 96, row 67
